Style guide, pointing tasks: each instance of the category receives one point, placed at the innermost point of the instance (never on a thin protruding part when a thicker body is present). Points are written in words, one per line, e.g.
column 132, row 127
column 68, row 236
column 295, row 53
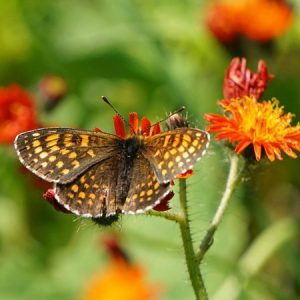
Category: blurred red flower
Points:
column 49, row 196
column 260, row 20
column 17, row 114
column 52, row 88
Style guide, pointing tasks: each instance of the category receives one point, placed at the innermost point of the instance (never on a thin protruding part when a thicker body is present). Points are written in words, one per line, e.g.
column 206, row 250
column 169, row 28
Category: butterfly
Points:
column 97, row 174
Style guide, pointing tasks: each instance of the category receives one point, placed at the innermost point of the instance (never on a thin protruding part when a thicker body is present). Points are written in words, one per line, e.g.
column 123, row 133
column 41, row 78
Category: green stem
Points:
column 233, row 179
column 167, row 215
column 191, row 261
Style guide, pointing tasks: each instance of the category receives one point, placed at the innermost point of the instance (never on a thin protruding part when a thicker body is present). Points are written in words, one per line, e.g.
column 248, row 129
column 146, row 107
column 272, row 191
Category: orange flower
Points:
column 260, row 124
column 266, row 19
column 260, row 20
column 221, row 20
column 17, row 113
column 121, row 280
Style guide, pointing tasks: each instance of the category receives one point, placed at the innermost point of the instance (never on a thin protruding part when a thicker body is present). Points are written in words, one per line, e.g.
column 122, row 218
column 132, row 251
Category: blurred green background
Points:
column 150, row 57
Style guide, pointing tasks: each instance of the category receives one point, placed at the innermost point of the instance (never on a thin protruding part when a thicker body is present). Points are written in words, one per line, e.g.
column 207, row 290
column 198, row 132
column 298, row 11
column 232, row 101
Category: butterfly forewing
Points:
column 174, row 152
column 61, row 154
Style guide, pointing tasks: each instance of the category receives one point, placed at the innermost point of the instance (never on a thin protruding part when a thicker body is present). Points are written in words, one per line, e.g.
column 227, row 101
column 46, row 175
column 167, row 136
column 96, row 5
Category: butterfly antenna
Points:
column 179, row 110
column 113, row 108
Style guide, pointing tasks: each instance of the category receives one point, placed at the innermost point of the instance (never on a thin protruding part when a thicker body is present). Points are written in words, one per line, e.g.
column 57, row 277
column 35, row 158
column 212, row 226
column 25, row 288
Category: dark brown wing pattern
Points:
column 96, row 192
column 174, row 152
column 61, row 154
column 95, row 174
column 145, row 190
column 93, row 193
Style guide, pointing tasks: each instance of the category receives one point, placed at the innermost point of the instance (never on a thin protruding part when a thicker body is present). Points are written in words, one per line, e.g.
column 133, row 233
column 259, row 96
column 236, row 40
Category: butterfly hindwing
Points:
column 93, row 193
column 61, row 154
column 97, row 192
column 174, row 152
column 145, row 191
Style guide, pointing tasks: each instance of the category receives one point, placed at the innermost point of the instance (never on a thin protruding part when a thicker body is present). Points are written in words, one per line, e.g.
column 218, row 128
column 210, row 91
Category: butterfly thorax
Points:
column 131, row 150
column 132, row 146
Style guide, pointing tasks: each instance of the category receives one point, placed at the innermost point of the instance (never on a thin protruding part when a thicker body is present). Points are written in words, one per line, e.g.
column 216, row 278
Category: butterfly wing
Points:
column 174, row 152
column 145, row 191
column 93, row 193
column 61, row 154
column 97, row 192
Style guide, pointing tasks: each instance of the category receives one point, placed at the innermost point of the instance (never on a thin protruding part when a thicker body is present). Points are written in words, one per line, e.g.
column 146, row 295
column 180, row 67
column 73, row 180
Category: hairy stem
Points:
column 191, row 261
column 233, row 179
column 167, row 215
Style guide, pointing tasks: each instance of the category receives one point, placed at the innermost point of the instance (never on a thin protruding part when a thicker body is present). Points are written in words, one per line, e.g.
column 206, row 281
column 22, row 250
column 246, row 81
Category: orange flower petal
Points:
column 241, row 146
column 277, row 152
column 134, row 123
column 186, row 174
column 156, row 129
column 269, row 151
column 119, row 126
column 257, row 150
column 288, row 151
column 145, row 126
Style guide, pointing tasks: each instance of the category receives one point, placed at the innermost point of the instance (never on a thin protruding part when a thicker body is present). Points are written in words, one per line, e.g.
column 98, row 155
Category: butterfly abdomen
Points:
column 129, row 153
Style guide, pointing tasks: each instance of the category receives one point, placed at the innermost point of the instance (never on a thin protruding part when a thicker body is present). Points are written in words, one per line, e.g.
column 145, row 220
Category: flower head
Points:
column 18, row 113
column 112, row 245
column 120, row 279
column 53, row 88
column 49, row 196
column 260, row 20
column 240, row 81
column 266, row 19
column 262, row 125
column 144, row 128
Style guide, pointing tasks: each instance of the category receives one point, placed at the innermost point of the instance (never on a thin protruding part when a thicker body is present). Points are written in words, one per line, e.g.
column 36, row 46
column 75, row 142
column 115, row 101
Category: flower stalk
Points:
column 167, row 215
column 191, row 261
column 233, row 179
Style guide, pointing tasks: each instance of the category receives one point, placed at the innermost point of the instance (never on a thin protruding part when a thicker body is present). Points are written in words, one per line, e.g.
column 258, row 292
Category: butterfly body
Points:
column 100, row 174
column 131, row 150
